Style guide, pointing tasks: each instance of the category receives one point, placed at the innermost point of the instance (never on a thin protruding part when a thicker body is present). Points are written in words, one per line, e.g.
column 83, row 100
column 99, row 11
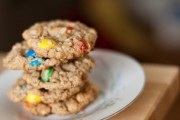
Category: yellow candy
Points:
column 47, row 43
column 31, row 98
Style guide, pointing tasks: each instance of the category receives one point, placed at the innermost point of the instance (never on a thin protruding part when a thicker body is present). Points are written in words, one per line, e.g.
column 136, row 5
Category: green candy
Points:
column 45, row 76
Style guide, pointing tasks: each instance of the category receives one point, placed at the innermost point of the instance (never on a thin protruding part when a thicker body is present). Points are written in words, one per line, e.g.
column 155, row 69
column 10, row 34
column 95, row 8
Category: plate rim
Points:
column 144, row 84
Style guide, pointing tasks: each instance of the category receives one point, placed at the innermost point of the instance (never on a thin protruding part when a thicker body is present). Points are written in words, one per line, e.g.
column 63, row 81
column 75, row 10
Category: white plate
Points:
column 120, row 78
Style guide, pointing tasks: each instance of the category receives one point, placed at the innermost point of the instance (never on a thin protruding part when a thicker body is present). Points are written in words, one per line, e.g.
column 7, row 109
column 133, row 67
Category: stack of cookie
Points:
column 54, row 58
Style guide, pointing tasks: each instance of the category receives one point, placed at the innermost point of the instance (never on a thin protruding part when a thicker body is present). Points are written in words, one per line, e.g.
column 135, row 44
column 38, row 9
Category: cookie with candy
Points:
column 54, row 57
column 22, row 57
column 60, row 39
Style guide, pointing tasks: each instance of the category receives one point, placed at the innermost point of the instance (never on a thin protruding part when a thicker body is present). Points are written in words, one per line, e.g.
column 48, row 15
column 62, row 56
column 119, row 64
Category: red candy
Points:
column 70, row 28
column 80, row 44
column 84, row 46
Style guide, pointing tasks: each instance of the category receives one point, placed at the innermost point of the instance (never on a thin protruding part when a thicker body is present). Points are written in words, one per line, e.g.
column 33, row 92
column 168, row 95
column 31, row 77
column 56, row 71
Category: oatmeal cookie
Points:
column 69, row 75
column 21, row 92
column 60, row 39
column 22, row 57
column 72, row 105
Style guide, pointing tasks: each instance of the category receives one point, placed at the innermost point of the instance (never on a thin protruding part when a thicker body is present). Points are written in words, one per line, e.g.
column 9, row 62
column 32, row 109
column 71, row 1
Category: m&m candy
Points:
column 45, row 76
column 35, row 62
column 47, row 43
column 31, row 98
column 70, row 28
column 83, row 46
column 30, row 53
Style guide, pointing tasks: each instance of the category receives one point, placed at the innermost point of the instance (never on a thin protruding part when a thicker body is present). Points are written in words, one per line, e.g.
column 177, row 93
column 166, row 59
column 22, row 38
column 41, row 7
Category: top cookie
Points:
column 60, row 39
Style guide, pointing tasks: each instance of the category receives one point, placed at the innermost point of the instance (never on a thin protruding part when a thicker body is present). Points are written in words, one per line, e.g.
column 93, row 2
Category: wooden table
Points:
column 158, row 96
column 160, row 92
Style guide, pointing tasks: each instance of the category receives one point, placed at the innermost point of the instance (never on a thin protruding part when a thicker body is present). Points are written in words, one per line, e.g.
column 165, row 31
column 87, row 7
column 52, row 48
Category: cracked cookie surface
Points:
column 17, row 59
column 73, row 104
column 60, row 39
column 68, row 75
column 21, row 90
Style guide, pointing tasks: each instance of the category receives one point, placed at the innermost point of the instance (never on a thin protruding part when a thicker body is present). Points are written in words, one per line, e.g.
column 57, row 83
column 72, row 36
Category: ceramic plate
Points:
column 120, row 78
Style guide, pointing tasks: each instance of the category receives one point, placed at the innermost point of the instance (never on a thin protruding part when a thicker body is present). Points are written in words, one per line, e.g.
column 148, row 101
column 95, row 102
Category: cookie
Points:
column 68, row 75
column 22, row 91
column 22, row 57
column 72, row 105
column 60, row 39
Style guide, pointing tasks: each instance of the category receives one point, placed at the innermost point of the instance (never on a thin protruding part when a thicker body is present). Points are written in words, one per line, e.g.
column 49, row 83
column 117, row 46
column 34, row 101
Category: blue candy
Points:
column 31, row 53
column 35, row 62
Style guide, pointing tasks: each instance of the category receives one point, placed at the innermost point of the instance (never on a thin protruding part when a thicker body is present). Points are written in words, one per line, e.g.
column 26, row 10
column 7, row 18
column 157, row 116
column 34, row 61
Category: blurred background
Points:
column 148, row 30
